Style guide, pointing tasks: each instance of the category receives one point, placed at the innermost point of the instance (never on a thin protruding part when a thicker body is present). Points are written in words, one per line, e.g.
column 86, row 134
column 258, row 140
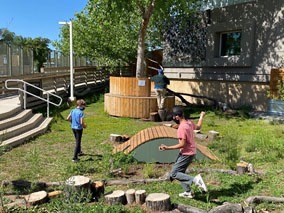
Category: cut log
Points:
column 36, row 198
column 98, row 189
column 158, row 202
column 115, row 138
column 163, row 114
column 116, row 197
column 133, row 181
column 259, row 199
column 78, row 188
column 140, row 196
column 212, row 135
column 54, row 194
column 130, row 196
column 16, row 203
column 227, row 207
column 188, row 209
column 154, row 116
column 242, row 168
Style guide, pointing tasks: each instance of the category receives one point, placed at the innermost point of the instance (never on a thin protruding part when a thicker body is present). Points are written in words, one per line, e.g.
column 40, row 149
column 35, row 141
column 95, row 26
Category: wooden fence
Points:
column 57, row 81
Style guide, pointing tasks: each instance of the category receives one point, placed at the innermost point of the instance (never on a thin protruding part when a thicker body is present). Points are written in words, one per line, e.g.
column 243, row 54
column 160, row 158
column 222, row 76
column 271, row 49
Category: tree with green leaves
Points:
column 114, row 31
column 38, row 45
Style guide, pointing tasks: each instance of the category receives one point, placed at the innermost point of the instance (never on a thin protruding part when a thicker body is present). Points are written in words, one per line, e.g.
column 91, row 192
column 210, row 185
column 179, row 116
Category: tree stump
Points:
column 115, row 138
column 242, row 168
column 158, row 202
column 154, row 116
column 97, row 189
column 116, row 197
column 36, row 198
column 130, row 196
column 163, row 114
column 78, row 188
column 140, row 196
column 212, row 135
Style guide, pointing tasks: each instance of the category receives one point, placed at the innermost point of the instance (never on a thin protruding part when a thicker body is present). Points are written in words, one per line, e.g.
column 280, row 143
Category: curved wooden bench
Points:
column 145, row 144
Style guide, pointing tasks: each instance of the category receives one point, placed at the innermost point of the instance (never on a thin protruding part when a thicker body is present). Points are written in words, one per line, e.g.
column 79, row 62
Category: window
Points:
column 230, row 43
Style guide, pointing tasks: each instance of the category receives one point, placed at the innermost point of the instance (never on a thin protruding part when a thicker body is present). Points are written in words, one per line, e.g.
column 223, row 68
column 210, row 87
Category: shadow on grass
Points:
column 91, row 157
column 235, row 189
column 23, row 186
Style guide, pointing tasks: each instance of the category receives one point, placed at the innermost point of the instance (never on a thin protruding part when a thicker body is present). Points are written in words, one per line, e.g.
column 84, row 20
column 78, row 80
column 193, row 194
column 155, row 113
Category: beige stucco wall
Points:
column 237, row 80
column 235, row 94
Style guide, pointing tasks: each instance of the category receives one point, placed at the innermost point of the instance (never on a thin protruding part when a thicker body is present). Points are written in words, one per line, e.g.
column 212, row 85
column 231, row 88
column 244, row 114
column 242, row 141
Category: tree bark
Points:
column 140, row 196
column 133, row 181
column 130, row 196
column 260, row 199
column 227, row 207
column 147, row 13
column 188, row 209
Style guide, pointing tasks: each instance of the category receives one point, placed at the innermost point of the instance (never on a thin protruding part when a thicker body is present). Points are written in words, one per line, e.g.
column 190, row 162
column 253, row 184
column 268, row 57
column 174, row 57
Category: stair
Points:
column 17, row 126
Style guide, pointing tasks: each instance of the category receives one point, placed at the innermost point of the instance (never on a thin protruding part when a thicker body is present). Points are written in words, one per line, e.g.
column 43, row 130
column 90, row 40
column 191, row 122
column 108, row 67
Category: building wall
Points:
column 244, row 79
column 235, row 94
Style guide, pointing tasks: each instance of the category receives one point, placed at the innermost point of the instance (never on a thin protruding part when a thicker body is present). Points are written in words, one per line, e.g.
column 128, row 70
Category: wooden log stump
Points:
column 140, row 196
column 36, row 198
column 97, row 189
column 212, row 135
column 116, row 197
column 154, row 116
column 163, row 114
column 158, row 202
column 130, row 196
column 242, row 168
column 115, row 138
column 78, row 188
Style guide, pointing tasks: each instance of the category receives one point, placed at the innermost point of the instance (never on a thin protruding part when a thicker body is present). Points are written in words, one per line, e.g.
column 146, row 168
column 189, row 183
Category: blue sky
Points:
column 38, row 18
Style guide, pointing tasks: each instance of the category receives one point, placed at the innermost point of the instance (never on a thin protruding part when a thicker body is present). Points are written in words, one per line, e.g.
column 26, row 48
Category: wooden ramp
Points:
column 145, row 146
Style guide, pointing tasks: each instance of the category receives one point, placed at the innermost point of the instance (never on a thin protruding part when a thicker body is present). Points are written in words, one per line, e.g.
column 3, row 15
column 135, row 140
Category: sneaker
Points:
column 200, row 183
column 186, row 195
column 75, row 159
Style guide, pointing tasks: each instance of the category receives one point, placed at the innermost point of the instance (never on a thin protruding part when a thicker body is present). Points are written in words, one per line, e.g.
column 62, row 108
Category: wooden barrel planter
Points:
column 131, row 97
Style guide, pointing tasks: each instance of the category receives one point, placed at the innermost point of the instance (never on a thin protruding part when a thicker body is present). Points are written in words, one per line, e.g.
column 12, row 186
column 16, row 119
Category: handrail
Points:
column 27, row 92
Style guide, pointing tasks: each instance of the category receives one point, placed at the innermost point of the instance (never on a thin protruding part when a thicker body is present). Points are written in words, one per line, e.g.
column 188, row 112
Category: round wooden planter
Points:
column 131, row 97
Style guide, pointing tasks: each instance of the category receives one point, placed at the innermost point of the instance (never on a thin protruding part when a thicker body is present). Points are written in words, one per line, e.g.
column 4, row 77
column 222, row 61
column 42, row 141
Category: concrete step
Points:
column 32, row 122
column 20, row 117
column 9, row 112
column 23, row 137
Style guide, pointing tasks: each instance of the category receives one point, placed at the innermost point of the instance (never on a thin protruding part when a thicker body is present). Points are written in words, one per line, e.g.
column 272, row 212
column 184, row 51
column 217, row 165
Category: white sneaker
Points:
column 200, row 183
column 186, row 195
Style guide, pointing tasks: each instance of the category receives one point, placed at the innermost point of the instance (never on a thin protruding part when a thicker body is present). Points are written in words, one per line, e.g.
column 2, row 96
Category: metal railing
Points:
column 24, row 90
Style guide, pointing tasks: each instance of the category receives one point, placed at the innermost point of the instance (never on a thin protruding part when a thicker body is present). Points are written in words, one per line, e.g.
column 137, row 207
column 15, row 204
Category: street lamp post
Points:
column 72, row 98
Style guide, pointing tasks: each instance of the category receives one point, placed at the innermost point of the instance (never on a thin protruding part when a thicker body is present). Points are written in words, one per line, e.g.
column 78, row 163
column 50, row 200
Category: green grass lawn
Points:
column 48, row 158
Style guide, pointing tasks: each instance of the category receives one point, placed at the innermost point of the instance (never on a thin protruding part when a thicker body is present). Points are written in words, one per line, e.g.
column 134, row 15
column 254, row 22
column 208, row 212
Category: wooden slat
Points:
column 133, row 107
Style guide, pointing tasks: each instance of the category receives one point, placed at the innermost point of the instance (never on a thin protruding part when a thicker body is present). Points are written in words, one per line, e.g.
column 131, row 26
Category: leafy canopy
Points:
column 112, row 31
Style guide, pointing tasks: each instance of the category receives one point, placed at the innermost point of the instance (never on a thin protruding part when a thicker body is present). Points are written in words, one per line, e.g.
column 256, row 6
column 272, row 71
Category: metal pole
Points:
column 47, row 110
column 25, row 96
column 71, row 63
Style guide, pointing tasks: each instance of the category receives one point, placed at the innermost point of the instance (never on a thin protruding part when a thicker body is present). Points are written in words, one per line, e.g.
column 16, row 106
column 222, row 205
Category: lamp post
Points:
column 72, row 98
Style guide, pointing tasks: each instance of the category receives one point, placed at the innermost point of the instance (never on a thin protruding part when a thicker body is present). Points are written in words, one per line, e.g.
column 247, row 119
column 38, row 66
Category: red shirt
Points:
column 185, row 131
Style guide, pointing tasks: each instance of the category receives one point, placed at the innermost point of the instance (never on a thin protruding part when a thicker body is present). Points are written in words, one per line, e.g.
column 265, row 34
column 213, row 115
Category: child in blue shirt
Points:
column 76, row 117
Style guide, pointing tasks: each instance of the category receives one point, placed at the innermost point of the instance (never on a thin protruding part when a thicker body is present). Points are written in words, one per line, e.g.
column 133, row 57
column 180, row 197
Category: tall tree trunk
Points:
column 140, row 65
